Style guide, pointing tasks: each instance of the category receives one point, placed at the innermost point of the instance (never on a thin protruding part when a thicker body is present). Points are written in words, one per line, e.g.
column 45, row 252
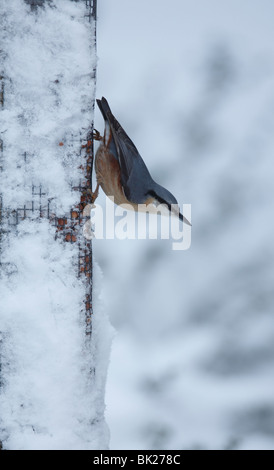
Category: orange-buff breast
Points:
column 108, row 175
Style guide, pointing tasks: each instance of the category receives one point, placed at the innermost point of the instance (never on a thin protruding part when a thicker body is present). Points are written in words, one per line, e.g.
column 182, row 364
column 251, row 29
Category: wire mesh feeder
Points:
column 69, row 228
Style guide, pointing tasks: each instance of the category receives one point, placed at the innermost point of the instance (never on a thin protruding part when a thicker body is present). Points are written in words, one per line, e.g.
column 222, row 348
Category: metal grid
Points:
column 69, row 228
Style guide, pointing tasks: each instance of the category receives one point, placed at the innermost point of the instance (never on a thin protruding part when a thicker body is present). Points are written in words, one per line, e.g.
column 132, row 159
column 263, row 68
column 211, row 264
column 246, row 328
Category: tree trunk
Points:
column 51, row 396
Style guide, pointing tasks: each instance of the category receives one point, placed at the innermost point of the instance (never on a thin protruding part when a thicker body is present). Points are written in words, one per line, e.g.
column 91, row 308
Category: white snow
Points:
column 52, row 375
column 48, row 64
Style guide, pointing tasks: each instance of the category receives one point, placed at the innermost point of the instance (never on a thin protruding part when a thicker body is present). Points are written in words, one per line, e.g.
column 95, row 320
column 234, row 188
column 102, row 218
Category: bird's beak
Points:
column 176, row 211
column 184, row 219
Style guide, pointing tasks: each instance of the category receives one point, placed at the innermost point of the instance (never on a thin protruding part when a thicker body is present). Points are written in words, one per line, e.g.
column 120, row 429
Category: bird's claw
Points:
column 97, row 135
column 92, row 195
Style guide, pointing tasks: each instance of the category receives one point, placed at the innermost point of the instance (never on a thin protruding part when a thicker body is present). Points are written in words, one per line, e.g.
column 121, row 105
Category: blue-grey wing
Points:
column 135, row 176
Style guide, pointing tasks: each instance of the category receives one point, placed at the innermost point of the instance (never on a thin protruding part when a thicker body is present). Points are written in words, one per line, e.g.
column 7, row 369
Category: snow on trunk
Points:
column 52, row 373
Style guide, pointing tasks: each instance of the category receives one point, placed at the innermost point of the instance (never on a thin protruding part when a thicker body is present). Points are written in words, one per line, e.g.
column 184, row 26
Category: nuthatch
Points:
column 122, row 173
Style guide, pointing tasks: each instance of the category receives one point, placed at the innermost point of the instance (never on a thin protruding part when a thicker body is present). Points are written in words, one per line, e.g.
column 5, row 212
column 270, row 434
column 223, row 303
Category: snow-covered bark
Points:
column 52, row 373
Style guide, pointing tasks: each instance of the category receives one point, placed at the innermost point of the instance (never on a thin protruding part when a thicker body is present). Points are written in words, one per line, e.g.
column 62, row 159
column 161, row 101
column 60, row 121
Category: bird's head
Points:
column 164, row 197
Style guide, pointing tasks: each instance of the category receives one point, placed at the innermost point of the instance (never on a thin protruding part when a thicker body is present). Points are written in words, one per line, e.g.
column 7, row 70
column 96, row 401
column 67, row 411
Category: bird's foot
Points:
column 97, row 135
column 92, row 195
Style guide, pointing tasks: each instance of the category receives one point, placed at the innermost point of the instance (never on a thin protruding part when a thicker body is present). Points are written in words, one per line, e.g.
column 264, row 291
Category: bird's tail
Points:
column 104, row 107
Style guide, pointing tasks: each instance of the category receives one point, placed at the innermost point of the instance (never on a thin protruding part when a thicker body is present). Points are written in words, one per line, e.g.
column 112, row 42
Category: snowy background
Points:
column 192, row 363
